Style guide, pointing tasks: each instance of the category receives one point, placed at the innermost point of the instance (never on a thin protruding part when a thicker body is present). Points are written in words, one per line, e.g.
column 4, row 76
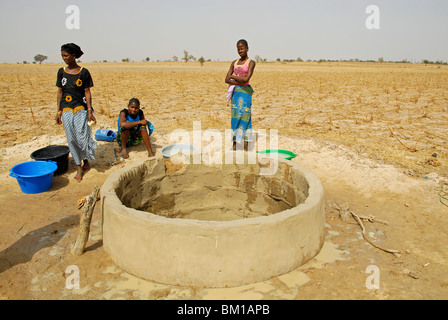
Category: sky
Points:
column 287, row 29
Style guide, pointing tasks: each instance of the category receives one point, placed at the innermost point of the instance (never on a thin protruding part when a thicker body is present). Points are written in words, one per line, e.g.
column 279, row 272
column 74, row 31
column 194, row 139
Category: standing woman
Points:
column 74, row 103
column 238, row 77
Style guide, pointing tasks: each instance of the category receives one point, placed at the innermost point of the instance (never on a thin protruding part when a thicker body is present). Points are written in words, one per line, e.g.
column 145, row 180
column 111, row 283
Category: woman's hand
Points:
column 91, row 117
column 58, row 118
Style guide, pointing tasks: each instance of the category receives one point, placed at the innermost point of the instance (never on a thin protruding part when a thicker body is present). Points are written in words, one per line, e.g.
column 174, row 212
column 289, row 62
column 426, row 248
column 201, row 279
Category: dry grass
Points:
column 395, row 113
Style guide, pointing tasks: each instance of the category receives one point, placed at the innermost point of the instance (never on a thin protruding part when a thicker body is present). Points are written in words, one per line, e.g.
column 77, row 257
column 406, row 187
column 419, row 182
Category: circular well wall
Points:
column 212, row 225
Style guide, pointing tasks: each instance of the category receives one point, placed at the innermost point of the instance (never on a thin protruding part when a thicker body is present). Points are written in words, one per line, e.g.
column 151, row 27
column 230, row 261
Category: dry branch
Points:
column 32, row 115
column 409, row 148
column 367, row 239
column 443, row 194
column 84, row 224
column 358, row 219
column 280, row 199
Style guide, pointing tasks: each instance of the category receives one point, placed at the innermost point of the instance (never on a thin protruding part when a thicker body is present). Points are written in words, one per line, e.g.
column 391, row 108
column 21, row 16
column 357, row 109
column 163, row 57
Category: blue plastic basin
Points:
column 34, row 176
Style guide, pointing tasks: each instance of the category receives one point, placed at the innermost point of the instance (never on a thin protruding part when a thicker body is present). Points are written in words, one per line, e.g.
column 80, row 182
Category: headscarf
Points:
column 72, row 49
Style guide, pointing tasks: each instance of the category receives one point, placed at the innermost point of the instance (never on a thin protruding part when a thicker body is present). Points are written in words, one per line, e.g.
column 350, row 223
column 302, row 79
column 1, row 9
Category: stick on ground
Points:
column 409, row 148
column 358, row 219
column 84, row 224
column 367, row 239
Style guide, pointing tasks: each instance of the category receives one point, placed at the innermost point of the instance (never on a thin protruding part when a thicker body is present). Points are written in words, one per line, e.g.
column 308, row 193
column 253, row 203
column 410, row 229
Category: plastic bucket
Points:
column 285, row 154
column 105, row 135
column 174, row 149
column 34, row 176
column 58, row 154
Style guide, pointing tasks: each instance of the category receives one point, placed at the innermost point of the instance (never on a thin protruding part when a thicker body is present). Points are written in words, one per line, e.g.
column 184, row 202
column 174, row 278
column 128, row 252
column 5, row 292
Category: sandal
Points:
column 78, row 178
column 85, row 168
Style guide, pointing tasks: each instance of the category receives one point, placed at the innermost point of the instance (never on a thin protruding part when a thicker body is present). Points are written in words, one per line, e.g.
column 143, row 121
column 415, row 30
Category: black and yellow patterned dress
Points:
column 74, row 113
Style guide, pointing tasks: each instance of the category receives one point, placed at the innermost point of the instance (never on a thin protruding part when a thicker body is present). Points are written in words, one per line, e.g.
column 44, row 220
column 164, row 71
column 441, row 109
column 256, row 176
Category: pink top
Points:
column 242, row 70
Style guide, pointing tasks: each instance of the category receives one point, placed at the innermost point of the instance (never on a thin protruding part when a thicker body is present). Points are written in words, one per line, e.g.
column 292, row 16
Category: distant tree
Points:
column 147, row 59
column 175, row 58
column 125, row 60
column 258, row 58
column 201, row 60
column 187, row 57
column 299, row 59
column 40, row 58
column 426, row 61
column 381, row 59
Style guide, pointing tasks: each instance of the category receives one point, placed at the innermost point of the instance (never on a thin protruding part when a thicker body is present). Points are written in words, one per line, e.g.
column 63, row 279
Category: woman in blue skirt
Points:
column 240, row 93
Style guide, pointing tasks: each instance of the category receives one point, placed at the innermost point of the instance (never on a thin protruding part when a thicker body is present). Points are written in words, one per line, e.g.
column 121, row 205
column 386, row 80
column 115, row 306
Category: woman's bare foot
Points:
column 124, row 153
column 78, row 176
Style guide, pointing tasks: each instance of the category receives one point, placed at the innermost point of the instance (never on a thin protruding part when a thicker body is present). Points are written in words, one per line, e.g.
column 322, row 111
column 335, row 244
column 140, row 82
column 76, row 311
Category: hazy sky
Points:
column 286, row 29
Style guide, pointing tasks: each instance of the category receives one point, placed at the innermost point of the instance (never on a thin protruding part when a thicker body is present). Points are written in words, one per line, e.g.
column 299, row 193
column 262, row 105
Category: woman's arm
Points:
column 58, row 102
column 143, row 121
column 129, row 125
column 88, row 94
column 230, row 76
column 248, row 76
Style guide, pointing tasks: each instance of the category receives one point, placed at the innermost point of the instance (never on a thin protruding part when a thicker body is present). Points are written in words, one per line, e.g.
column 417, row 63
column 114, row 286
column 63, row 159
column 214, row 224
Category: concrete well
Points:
column 212, row 225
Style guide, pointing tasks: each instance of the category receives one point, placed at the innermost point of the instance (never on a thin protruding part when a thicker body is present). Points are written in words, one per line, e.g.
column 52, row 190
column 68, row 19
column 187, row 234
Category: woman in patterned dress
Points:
column 240, row 93
column 74, row 102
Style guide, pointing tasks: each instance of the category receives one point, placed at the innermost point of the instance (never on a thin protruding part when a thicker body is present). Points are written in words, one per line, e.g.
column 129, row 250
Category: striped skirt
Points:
column 79, row 136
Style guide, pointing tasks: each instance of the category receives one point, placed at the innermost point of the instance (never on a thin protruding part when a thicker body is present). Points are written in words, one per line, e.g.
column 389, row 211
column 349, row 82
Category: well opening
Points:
column 212, row 225
column 212, row 193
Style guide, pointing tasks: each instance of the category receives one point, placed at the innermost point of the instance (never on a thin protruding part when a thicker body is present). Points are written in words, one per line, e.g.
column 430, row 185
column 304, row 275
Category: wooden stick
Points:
column 373, row 219
column 370, row 242
column 280, row 199
column 84, row 224
column 409, row 148
column 32, row 115
column 370, row 219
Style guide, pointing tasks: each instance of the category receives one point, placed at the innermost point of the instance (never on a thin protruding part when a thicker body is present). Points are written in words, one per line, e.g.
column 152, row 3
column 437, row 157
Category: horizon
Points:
column 397, row 30
column 405, row 61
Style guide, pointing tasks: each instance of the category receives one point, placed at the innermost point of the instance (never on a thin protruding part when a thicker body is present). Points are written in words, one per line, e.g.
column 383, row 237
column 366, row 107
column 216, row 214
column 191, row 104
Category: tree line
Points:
column 39, row 58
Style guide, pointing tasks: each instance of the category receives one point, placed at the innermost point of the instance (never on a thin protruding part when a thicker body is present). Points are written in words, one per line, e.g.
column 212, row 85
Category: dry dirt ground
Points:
column 367, row 131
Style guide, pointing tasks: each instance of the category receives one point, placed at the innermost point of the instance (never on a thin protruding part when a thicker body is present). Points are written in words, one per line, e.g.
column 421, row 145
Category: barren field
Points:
column 374, row 133
column 393, row 112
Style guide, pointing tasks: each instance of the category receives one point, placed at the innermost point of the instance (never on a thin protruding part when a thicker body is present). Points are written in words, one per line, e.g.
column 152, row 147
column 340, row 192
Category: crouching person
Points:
column 133, row 128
